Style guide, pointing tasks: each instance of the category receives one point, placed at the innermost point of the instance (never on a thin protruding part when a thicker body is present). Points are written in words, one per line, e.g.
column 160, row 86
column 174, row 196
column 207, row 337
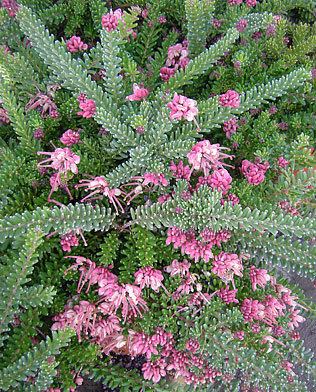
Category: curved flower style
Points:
column 44, row 104
column 62, row 159
column 100, row 187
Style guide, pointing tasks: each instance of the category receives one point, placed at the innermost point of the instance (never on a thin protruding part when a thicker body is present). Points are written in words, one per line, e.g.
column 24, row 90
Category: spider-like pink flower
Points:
column 4, row 118
column 149, row 277
column 252, row 309
column 11, row 6
column 241, row 25
column 180, row 171
column 162, row 338
column 111, row 19
column 167, row 73
column 204, row 156
column 176, row 236
column 254, row 172
column 139, row 93
column 69, row 240
column 251, row 3
column 75, row 44
column 87, row 106
column 230, row 127
column 234, row 2
column 258, row 277
column 126, row 296
column 154, row 370
column 182, row 108
column 103, row 328
column 295, row 318
column 228, row 296
column 197, row 250
column 192, row 345
column 230, row 99
column 226, row 265
column 221, row 180
column 99, row 187
column 62, row 160
column 186, row 286
column 70, row 137
column 178, row 268
column 44, row 104
column 142, row 344
column 178, row 56
column 282, row 162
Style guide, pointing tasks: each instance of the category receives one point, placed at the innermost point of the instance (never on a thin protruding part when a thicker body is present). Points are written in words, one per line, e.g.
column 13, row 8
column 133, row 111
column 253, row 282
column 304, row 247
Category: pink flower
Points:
column 11, row 6
column 182, row 107
column 162, row 19
column 234, row 2
column 186, row 286
column 228, row 296
column 180, row 171
column 111, row 19
column 230, row 127
column 103, row 328
column 271, row 30
column 252, row 309
column 70, row 137
column 226, row 265
column 74, row 44
column 167, row 73
column 287, row 366
column 38, row 134
column 149, row 277
column 273, row 109
column 258, row 277
column 99, row 187
column 154, row 370
column 192, row 345
column 254, row 172
column 240, row 335
column 313, row 73
column 251, row 3
column 139, row 93
column 62, row 160
column 87, row 106
column 178, row 268
column 44, row 104
column 204, row 156
column 241, row 25
column 232, row 198
column 157, row 179
column 221, row 180
column 142, row 344
column 282, row 162
column 216, row 23
column 69, row 240
column 288, row 208
column 295, row 318
column 178, row 56
column 4, row 118
column 230, row 99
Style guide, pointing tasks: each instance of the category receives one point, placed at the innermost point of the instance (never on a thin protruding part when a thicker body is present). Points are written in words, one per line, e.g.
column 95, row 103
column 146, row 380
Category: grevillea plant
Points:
column 157, row 194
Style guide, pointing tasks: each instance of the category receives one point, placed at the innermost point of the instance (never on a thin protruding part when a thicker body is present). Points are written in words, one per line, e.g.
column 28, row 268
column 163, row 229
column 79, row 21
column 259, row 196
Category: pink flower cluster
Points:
column 75, row 44
column 178, row 58
column 288, row 208
column 230, row 99
column 182, row 108
column 241, row 25
column 191, row 246
column 87, row 106
column 282, row 162
column 139, row 93
column 110, row 20
column 258, row 277
column 44, row 104
column 68, row 241
column 254, row 172
column 226, row 265
column 11, row 6
column 149, row 277
column 70, row 137
column 62, row 160
column 99, row 187
column 205, row 156
column 4, row 118
column 230, row 127
column 180, row 171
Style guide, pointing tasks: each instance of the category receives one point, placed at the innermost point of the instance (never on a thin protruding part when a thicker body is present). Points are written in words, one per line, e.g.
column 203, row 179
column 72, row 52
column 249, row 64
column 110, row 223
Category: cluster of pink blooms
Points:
column 180, row 171
column 288, row 208
column 220, row 180
column 254, row 171
column 191, row 246
column 230, row 99
column 249, row 3
column 230, row 127
column 241, row 25
column 75, row 44
column 70, row 137
column 149, row 277
column 87, row 106
column 38, row 134
column 44, row 104
column 188, row 363
column 182, row 107
column 139, row 93
column 178, row 58
column 226, row 265
column 11, row 6
column 110, row 20
column 99, row 187
column 68, row 241
column 205, row 156
column 4, row 118
column 282, row 162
